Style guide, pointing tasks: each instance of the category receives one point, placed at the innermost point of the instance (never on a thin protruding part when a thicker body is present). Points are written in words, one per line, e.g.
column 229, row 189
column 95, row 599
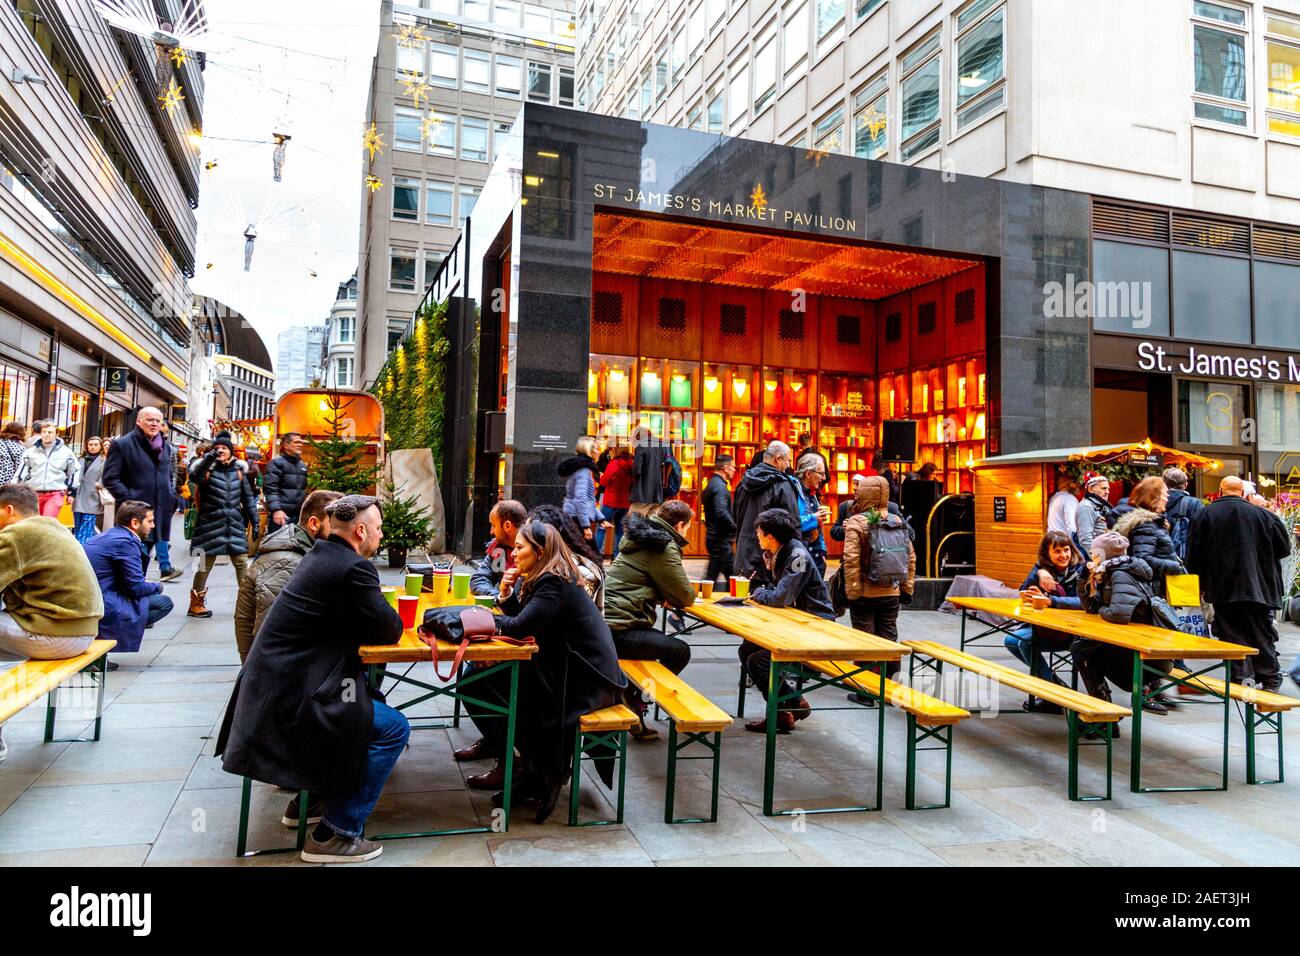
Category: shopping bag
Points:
column 65, row 514
column 1192, row 620
column 1183, row 590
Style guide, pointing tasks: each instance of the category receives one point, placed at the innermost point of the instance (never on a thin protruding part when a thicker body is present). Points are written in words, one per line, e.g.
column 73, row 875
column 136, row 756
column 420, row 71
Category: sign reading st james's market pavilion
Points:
column 754, row 208
column 1198, row 360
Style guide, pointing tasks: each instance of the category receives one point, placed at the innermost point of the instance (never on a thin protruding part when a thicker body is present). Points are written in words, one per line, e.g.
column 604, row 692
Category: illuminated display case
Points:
column 949, row 404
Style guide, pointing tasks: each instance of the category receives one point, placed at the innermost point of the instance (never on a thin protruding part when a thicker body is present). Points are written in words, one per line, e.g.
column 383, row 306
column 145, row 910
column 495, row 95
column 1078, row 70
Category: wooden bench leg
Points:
column 916, row 734
column 241, row 840
column 1255, row 720
column 1076, row 741
column 714, row 747
column 583, row 744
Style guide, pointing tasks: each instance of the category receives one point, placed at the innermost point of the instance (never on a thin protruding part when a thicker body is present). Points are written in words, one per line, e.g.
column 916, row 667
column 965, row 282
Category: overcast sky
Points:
column 301, row 68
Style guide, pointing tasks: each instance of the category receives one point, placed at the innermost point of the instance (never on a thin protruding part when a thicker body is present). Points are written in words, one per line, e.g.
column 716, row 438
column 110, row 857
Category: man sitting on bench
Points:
column 795, row 583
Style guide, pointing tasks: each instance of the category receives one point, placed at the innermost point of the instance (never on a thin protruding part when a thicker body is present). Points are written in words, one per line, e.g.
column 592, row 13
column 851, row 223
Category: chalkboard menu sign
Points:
column 1000, row 508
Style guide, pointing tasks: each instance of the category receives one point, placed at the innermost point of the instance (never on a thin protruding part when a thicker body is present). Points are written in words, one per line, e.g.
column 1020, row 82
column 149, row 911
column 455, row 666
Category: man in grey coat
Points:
column 1094, row 515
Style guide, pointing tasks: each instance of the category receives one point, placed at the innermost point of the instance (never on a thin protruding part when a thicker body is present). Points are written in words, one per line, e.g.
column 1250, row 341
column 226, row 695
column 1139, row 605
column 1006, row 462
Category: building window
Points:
column 631, row 111
column 716, row 100
column 1283, row 44
column 468, row 196
column 444, row 65
column 410, row 60
column 695, row 30
column 981, row 61
column 473, row 138
column 868, row 7
column 347, row 330
column 478, row 71
column 794, row 40
column 506, row 12
column 477, row 10
column 1219, row 38
column 830, row 24
column 539, row 82
column 566, row 86
column 406, row 198
column 919, row 90
column 508, row 76
column 437, row 204
column 406, row 129
column 679, row 53
column 870, row 120
column 661, row 75
column 765, row 74
column 647, row 91
column 537, row 19
column 715, row 10
column 343, row 371
column 442, row 137
column 401, row 270
column 828, row 134
column 1121, row 269
column 1211, row 297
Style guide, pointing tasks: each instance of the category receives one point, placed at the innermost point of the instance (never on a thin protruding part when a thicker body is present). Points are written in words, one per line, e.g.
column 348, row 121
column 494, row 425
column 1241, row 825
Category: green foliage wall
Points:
column 412, row 384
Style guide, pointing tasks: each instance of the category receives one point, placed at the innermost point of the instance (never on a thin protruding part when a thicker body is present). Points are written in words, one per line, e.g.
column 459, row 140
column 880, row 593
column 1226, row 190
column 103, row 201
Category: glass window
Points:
column 738, row 98
column 508, row 75
column 406, row 198
column 1278, row 413
column 444, row 63
column 1130, row 288
column 450, row 7
column 406, row 128
column 473, row 138
column 765, row 74
column 566, row 86
column 919, row 93
column 499, row 136
column 537, row 19
column 347, row 330
column 1210, row 413
column 828, row 134
column 715, row 110
column 437, row 203
column 410, row 59
column 870, row 120
column 679, row 53
column 795, row 38
column 695, row 116
column 661, row 75
column 468, row 196
column 539, row 82
column 647, row 91
column 1220, row 67
column 1283, row 48
column 442, row 136
column 631, row 111
column 981, row 67
column 343, row 371
column 695, row 29
column 866, row 7
column 401, row 271
column 478, row 70
column 715, row 10
column 1277, row 304
column 1211, row 297
column 506, row 12
column 830, row 21
column 477, row 10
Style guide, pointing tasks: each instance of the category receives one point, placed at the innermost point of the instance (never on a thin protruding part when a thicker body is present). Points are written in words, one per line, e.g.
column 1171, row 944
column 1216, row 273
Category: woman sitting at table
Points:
column 1058, row 575
column 797, row 584
column 574, row 671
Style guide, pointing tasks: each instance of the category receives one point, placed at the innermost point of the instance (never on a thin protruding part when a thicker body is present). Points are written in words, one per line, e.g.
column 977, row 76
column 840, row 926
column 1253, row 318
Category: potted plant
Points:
column 406, row 525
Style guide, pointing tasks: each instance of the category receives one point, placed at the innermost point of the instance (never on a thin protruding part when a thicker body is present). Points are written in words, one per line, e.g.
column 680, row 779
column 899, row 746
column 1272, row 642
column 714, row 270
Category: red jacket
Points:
column 617, row 481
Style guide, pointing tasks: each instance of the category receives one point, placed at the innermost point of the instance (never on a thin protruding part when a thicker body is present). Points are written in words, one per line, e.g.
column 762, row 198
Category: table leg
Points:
column 774, row 674
column 880, row 739
column 1135, row 769
column 510, row 746
column 1227, row 719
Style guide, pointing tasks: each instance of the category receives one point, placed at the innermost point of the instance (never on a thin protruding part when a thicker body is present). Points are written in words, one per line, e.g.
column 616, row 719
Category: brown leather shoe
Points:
column 784, row 723
column 478, row 750
column 494, row 779
column 802, row 710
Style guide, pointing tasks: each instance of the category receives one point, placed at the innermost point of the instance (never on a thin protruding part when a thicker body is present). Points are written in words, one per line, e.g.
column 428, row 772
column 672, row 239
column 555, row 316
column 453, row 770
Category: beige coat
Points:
column 873, row 494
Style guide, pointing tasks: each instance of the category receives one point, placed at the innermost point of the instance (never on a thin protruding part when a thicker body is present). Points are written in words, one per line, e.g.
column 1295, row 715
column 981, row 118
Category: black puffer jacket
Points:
column 719, row 524
column 1148, row 539
column 227, row 505
column 762, row 487
column 285, row 484
column 1124, row 596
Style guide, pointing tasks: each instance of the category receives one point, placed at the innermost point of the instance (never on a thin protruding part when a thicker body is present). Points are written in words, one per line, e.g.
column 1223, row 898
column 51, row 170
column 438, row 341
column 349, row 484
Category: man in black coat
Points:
column 766, row 485
column 1237, row 549
column 285, row 481
column 302, row 715
column 719, row 524
column 141, row 466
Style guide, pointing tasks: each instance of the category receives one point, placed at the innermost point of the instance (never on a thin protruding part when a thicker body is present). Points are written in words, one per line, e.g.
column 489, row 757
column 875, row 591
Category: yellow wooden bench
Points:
column 689, row 711
column 1078, row 706
column 31, row 680
column 928, row 718
column 1263, row 708
column 602, row 728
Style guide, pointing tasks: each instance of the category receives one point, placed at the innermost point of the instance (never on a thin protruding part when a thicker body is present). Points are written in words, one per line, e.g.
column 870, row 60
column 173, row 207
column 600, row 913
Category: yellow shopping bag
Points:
column 1183, row 590
column 65, row 513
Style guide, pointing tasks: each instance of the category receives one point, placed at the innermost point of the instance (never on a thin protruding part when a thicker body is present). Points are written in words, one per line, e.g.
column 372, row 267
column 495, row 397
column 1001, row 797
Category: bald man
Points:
column 141, row 467
column 1237, row 549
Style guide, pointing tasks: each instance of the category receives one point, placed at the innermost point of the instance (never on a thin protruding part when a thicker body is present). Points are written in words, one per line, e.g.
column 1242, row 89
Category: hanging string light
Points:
column 372, row 142
column 277, row 155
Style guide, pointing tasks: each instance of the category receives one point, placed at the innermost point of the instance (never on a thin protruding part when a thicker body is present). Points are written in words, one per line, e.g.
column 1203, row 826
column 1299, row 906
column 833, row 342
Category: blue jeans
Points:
column 1295, row 671
column 347, row 814
column 83, row 528
column 160, row 605
column 614, row 516
column 164, row 554
column 1018, row 642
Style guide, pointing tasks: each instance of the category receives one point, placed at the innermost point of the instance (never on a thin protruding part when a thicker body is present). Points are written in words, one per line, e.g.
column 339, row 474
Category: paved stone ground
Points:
column 151, row 792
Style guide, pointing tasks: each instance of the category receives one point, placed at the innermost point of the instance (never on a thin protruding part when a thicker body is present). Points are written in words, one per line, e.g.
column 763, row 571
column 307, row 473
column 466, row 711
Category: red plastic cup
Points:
column 406, row 608
column 731, row 585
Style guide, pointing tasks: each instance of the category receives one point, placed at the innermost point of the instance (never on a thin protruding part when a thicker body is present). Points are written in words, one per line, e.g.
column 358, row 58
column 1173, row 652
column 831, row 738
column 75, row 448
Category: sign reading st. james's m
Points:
column 1205, row 361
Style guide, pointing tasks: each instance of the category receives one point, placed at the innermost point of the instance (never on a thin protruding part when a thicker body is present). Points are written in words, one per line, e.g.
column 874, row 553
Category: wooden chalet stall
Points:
column 322, row 413
column 1012, row 492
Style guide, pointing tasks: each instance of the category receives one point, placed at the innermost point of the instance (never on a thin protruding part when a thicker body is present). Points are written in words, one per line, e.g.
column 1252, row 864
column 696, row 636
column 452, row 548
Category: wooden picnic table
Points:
column 794, row 637
column 1148, row 643
column 492, row 655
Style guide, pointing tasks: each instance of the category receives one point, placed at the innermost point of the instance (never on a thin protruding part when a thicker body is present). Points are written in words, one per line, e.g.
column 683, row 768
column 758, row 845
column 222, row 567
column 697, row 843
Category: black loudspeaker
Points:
column 494, row 433
column 898, row 440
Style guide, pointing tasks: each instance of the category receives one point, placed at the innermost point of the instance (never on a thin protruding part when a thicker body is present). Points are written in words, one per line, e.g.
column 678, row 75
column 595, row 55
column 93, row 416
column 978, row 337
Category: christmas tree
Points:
column 340, row 459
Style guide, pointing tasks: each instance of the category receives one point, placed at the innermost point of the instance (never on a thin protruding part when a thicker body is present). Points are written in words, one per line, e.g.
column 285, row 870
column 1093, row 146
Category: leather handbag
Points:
column 462, row 625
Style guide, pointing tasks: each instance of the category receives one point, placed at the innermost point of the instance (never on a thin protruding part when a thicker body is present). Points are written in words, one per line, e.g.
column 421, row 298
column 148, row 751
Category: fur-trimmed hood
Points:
column 647, row 534
column 1133, row 518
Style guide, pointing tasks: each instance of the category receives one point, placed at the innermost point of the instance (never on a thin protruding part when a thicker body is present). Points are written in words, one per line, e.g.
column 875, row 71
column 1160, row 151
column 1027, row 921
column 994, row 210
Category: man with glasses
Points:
column 285, row 481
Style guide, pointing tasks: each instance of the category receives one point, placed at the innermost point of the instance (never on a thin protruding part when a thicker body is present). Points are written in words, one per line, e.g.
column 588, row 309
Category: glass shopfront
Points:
column 17, row 393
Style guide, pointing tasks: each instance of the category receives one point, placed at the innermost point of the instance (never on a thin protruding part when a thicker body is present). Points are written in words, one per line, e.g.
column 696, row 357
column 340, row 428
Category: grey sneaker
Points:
column 340, row 849
column 4, row 748
column 314, row 813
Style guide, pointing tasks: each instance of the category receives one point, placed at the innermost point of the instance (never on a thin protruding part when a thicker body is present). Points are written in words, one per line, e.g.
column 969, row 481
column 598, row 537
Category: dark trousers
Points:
column 1096, row 663
column 722, row 559
column 495, row 689
column 878, row 616
column 644, row 644
column 757, row 663
column 1243, row 622
column 160, row 605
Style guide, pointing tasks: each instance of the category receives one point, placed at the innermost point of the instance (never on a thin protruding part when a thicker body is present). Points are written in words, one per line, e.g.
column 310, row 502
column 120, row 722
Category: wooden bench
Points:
column 31, row 680
column 1263, row 708
column 1078, row 706
column 928, row 718
column 606, row 727
column 689, row 711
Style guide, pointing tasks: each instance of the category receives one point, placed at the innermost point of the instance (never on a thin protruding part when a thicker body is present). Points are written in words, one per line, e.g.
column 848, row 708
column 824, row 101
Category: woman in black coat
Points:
column 574, row 672
column 227, row 506
column 1143, row 523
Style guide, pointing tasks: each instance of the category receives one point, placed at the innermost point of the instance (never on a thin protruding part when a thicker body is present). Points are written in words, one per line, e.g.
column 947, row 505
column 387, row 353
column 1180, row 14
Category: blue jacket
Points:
column 120, row 561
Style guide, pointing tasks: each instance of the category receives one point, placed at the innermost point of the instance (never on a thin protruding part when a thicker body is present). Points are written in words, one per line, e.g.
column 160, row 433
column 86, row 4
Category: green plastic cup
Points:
column 460, row 585
column 390, row 595
column 414, row 584
column 485, row 600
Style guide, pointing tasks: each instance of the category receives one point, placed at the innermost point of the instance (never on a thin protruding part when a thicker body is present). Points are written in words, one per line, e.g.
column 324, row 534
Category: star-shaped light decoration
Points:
column 413, row 85
column 372, row 142
column 410, row 36
column 758, row 198
column 179, row 57
column 374, row 183
column 873, row 121
column 430, row 126
column 171, row 97
column 823, row 149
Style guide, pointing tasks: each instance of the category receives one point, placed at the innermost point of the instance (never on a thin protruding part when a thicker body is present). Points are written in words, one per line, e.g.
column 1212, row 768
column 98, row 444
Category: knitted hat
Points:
column 1092, row 478
column 1110, row 545
column 224, row 438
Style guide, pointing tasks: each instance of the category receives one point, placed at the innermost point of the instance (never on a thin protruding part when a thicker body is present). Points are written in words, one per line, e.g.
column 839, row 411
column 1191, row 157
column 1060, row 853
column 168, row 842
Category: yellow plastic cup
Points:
column 742, row 587
column 441, row 586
